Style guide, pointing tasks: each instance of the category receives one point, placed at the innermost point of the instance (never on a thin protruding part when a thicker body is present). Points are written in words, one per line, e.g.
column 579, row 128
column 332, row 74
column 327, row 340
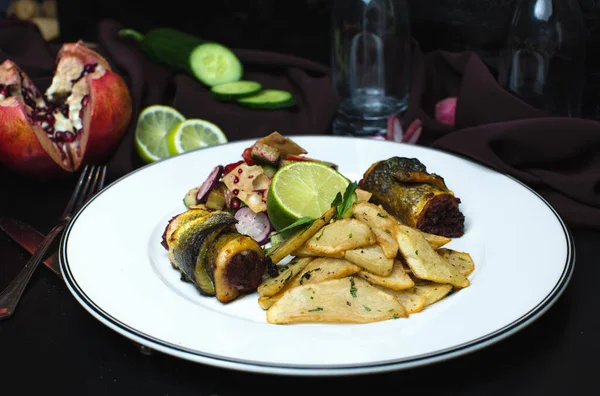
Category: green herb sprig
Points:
column 344, row 202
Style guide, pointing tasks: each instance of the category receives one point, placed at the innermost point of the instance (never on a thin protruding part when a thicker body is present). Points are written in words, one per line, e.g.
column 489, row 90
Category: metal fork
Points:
column 90, row 182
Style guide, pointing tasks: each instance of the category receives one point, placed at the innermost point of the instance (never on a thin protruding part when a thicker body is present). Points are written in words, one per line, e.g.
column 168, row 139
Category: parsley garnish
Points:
column 301, row 221
column 315, row 310
column 352, row 288
column 344, row 202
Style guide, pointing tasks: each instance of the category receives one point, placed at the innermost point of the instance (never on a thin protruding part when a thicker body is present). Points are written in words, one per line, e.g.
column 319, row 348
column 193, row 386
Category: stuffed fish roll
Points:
column 404, row 188
column 211, row 254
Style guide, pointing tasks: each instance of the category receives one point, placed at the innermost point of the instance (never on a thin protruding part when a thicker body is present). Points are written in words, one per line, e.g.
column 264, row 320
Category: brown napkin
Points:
column 558, row 157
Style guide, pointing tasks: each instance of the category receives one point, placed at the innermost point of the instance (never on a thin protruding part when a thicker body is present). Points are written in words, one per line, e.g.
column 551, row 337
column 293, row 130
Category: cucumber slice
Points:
column 215, row 64
column 268, row 99
column 211, row 63
column 235, row 90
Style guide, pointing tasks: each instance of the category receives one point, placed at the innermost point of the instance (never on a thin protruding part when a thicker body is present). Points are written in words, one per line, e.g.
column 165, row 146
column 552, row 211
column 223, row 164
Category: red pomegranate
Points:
column 79, row 120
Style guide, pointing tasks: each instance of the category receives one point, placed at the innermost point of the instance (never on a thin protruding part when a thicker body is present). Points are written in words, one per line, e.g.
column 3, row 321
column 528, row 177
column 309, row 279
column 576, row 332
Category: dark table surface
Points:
column 53, row 343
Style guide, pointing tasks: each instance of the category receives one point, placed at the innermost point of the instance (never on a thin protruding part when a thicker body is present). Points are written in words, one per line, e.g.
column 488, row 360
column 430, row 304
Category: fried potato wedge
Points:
column 341, row 235
column 398, row 279
column 374, row 216
column 461, row 260
column 322, row 269
column 265, row 302
column 345, row 300
column 387, row 242
column 288, row 245
column 372, row 259
column 411, row 301
column 436, row 241
column 433, row 292
column 424, row 261
column 318, row 270
column 363, row 195
column 304, row 251
column 272, row 286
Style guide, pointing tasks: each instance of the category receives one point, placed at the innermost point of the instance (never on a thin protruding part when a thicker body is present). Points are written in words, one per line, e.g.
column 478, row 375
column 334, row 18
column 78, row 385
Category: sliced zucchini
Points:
column 202, row 276
column 269, row 170
column 235, row 90
column 268, row 99
column 190, row 198
column 264, row 154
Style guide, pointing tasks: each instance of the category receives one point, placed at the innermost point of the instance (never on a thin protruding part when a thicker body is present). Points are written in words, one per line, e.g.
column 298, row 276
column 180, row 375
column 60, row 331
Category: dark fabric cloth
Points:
column 558, row 157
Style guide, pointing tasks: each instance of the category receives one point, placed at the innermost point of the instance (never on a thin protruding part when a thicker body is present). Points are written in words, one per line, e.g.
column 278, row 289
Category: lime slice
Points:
column 194, row 134
column 302, row 189
column 153, row 125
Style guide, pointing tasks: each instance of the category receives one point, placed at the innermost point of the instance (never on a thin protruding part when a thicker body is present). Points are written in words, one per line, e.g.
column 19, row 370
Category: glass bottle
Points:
column 544, row 62
column 370, row 63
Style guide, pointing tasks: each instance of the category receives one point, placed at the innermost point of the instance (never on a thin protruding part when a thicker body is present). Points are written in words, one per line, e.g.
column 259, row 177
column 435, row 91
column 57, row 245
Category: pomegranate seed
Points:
column 236, row 180
column 85, row 100
column 89, row 68
column 235, row 203
column 235, row 191
column 240, row 171
column 228, row 168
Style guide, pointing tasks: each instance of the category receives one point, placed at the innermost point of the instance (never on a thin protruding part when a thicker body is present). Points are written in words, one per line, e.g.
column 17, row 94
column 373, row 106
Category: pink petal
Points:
column 394, row 129
column 445, row 111
column 413, row 133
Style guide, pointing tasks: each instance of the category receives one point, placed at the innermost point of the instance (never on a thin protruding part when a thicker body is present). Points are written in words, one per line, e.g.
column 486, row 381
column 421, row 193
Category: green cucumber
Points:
column 269, row 99
column 235, row 90
column 210, row 62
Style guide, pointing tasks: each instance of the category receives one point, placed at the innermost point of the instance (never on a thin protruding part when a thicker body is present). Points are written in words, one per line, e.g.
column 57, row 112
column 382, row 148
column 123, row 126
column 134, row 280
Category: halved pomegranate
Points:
column 80, row 119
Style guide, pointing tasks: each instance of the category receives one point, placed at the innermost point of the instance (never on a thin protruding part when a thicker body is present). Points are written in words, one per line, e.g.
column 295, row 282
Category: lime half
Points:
column 153, row 125
column 193, row 134
column 302, row 189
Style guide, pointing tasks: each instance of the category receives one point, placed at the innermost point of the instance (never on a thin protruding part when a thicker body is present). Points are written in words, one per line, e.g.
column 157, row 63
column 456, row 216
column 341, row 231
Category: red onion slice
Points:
column 413, row 133
column 255, row 225
column 209, row 184
column 394, row 129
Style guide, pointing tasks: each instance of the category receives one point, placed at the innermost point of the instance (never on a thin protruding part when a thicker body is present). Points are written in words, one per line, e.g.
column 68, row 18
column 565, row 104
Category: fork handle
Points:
column 12, row 294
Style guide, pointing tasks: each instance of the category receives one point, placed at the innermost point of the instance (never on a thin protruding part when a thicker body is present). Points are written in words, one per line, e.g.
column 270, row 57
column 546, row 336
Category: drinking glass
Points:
column 544, row 61
column 370, row 64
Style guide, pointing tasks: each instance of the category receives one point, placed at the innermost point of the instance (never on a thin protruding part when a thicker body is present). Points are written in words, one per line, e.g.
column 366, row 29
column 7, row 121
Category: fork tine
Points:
column 93, row 188
column 86, row 187
column 98, row 177
column 77, row 192
column 102, row 178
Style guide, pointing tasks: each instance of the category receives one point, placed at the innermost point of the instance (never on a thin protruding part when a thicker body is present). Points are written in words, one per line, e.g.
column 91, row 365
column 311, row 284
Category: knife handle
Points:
column 12, row 294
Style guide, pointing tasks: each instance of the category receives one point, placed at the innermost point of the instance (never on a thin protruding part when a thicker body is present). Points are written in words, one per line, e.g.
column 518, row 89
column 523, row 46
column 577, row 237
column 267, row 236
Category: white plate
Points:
column 115, row 267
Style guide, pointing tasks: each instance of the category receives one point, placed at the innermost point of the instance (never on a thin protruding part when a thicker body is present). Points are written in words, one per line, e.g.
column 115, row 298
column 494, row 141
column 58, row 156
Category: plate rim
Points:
column 316, row 370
